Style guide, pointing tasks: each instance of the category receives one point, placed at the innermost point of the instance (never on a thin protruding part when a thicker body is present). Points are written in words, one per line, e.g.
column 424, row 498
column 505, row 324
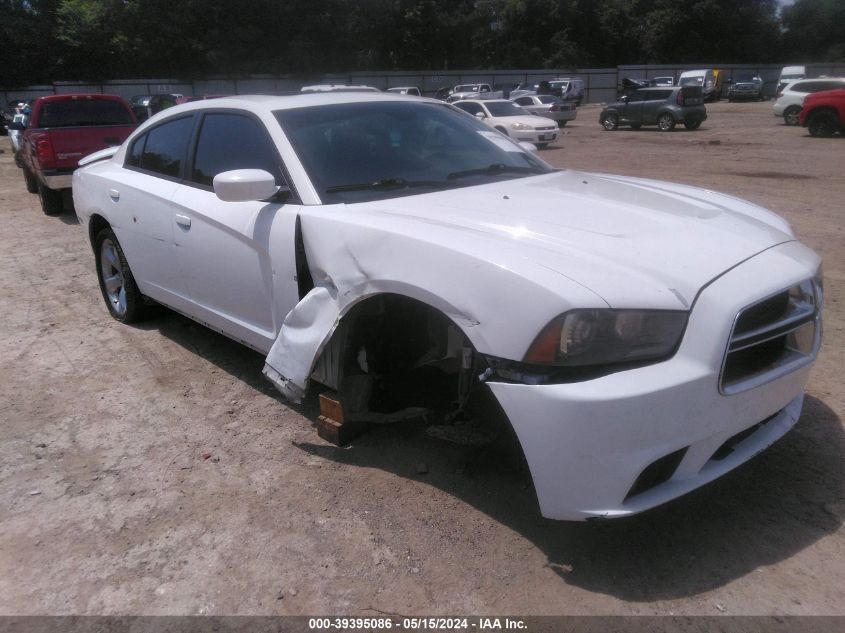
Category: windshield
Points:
column 356, row 152
column 80, row 112
column 691, row 81
column 505, row 108
column 747, row 78
column 467, row 88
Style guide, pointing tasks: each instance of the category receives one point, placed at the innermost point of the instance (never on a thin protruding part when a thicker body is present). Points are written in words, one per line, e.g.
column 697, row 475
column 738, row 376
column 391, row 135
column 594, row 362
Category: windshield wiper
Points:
column 385, row 184
column 496, row 168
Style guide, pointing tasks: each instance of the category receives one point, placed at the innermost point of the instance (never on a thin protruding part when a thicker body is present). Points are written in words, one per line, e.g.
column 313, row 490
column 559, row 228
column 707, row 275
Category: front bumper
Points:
column 535, row 136
column 745, row 94
column 588, row 443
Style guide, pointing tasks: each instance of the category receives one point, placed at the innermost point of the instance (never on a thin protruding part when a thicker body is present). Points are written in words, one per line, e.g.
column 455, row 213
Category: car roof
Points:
column 272, row 103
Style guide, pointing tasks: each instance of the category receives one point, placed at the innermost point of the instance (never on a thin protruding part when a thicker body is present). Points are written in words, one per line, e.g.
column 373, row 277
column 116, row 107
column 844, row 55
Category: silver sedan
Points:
column 548, row 106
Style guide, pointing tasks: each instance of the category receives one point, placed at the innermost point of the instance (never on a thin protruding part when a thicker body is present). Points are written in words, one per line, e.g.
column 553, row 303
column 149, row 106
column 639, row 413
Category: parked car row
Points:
column 790, row 99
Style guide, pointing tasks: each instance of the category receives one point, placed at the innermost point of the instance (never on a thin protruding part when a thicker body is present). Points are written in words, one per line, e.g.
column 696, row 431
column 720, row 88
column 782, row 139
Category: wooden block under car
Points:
column 338, row 433
column 331, row 407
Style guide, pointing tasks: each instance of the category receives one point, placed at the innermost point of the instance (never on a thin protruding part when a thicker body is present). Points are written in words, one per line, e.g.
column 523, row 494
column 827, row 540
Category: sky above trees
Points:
column 47, row 40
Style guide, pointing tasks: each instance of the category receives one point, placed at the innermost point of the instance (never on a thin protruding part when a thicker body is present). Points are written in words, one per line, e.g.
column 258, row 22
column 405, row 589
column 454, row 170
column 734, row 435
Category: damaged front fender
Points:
column 353, row 255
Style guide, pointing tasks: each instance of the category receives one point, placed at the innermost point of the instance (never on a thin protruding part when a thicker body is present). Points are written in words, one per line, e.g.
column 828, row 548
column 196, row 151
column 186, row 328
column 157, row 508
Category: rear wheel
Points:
column 561, row 123
column 31, row 182
column 611, row 122
column 51, row 200
column 822, row 124
column 542, row 145
column 692, row 125
column 666, row 122
column 790, row 115
column 123, row 299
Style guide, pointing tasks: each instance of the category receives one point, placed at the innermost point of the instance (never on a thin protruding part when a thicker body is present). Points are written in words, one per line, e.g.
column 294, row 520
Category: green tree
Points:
column 815, row 30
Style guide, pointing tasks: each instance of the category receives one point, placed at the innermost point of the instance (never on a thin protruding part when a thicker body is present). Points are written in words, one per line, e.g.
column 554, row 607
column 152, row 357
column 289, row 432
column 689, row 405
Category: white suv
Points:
column 791, row 99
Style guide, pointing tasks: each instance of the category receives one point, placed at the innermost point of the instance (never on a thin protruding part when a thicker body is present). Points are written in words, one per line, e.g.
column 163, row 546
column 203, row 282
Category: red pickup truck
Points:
column 61, row 130
column 824, row 112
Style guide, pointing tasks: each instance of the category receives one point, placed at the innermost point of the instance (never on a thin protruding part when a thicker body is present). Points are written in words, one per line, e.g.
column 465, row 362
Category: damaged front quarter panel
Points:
column 354, row 253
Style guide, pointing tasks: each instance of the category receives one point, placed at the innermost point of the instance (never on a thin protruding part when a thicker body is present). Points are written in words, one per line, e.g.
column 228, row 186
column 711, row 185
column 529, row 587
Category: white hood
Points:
column 634, row 242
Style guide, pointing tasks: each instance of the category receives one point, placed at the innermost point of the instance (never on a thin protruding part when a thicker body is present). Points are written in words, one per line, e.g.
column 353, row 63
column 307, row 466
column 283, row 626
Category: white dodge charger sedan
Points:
column 641, row 338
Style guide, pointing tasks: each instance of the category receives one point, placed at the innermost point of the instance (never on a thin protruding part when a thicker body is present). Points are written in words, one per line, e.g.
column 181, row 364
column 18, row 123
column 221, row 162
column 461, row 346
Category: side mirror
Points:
column 480, row 115
column 244, row 185
column 528, row 147
column 624, row 98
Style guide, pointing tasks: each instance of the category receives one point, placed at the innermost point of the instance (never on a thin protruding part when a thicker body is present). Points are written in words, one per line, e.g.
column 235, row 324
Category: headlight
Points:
column 600, row 337
column 521, row 126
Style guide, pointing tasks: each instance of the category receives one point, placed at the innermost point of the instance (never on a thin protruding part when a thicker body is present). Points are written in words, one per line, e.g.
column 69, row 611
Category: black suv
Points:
column 664, row 107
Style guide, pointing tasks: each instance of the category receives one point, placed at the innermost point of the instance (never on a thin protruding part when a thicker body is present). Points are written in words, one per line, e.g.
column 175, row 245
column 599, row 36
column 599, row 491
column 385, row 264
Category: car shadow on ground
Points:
column 764, row 512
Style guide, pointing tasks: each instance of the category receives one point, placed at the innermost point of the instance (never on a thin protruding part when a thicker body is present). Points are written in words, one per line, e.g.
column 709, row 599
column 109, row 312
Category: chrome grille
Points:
column 773, row 337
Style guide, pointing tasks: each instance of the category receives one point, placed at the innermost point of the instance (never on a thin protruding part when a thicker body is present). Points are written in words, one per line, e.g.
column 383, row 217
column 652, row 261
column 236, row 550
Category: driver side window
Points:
column 233, row 141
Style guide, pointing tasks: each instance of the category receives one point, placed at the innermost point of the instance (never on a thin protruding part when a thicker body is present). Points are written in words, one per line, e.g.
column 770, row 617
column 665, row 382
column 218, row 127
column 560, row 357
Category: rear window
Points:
column 81, row 112
column 546, row 99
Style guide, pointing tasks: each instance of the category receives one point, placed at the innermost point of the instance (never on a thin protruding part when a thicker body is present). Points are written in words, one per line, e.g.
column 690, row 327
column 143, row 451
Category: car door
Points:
column 237, row 258
column 652, row 101
column 633, row 108
column 142, row 209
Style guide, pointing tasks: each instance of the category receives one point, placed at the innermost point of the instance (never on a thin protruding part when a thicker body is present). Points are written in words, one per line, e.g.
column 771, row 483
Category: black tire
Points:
column 562, row 123
column 31, row 182
column 51, row 200
column 692, row 125
column 636, row 126
column 18, row 160
column 666, row 122
column 542, row 145
column 610, row 122
column 823, row 124
column 124, row 301
column 790, row 115
column 502, row 130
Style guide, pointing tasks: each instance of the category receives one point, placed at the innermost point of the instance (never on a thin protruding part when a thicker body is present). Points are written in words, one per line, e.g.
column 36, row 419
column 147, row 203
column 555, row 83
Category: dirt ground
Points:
column 108, row 506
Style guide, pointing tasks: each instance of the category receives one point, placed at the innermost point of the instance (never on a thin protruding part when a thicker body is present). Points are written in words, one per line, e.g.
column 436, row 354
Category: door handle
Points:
column 114, row 194
column 183, row 220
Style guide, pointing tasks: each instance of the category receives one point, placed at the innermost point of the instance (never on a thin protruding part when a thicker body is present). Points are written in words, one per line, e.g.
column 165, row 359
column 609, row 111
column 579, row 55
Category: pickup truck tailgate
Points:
column 70, row 144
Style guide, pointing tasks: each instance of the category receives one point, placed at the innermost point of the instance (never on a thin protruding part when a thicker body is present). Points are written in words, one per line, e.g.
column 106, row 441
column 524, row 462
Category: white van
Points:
column 789, row 74
column 705, row 78
column 568, row 89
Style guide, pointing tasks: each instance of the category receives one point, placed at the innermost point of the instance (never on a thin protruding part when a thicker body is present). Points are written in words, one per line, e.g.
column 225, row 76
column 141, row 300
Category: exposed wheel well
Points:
column 391, row 352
